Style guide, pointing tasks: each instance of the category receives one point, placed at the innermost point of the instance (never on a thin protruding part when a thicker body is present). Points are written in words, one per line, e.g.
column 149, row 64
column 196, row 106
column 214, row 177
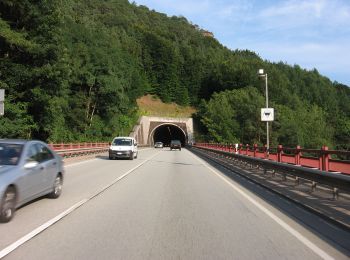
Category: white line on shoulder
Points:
column 282, row 223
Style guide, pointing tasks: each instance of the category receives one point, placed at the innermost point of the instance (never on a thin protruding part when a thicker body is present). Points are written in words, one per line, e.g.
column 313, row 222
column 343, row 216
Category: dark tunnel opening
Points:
column 166, row 133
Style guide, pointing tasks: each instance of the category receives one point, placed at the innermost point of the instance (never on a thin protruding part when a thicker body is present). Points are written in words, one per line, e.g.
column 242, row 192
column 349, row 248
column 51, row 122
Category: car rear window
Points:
column 175, row 142
column 10, row 154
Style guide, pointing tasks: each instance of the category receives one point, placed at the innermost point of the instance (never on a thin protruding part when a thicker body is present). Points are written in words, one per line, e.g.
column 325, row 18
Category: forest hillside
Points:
column 73, row 69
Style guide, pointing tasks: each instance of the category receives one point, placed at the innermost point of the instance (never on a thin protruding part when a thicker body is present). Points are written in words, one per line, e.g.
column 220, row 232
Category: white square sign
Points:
column 267, row 114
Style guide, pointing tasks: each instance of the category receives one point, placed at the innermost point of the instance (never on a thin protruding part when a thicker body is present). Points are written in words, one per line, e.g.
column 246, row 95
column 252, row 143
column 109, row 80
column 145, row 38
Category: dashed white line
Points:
column 52, row 221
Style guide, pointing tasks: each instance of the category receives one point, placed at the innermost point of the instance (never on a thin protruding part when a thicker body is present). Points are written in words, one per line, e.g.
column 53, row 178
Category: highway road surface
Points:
column 163, row 205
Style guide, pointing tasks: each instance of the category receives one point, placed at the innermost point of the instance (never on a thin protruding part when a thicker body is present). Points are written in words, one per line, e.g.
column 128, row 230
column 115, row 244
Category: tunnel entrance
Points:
column 167, row 132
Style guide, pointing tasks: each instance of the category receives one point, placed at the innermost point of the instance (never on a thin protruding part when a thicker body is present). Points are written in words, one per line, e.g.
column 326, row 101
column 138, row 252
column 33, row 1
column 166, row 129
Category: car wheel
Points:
column 57, row 187
column 131, row 156
column 110, row 157
column 8, row 204
column 136, row 155
column 180, row 149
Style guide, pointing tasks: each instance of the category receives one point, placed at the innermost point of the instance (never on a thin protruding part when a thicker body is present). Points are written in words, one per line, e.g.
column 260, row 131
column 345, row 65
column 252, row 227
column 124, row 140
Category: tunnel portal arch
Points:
column 148, row 130
column 166, row 132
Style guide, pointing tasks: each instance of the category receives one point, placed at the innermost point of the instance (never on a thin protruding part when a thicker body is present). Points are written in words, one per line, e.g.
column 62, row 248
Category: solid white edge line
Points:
column 79, row 163
column 39, row 229
column 282, row 223
column 52, row 221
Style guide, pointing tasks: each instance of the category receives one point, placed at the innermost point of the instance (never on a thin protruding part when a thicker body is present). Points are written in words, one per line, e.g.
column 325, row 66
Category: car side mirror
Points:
column 135, row 144
column 31, row 165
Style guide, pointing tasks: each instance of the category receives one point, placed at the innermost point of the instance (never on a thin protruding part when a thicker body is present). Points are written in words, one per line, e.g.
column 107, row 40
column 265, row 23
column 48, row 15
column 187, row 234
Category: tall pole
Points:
column 267, row 123
column 2, row 100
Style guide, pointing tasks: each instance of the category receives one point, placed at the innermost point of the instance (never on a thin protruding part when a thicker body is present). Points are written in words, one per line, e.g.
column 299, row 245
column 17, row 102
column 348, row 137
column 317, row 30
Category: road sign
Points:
column 2, row 95
column 267, row 114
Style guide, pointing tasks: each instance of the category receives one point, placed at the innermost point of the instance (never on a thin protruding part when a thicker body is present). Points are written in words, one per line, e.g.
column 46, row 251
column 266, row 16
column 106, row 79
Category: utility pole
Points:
column 2, row 101
column 267, row 114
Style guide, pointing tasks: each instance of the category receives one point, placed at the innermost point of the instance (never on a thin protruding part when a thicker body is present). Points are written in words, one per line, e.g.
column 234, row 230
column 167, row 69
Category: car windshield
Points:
column 123, row 142
column 10, row 154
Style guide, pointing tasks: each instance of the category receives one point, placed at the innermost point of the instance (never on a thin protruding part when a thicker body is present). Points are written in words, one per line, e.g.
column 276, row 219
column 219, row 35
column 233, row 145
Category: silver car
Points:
column 158, row 145
column 28, row 170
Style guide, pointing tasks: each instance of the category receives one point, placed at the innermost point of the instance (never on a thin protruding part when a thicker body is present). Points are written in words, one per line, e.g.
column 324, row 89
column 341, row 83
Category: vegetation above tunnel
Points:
column 72, row 71
column 152, row 106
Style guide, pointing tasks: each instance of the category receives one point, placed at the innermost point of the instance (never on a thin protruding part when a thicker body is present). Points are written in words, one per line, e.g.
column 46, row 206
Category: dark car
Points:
column 175, row 144
column 28, row 170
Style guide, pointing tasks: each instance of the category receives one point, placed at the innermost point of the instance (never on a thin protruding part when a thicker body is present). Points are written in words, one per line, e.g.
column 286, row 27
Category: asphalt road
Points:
column 163, row 205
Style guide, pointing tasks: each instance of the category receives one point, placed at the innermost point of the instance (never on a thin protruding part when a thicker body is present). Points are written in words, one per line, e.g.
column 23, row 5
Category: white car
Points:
column 158, row 145
column 123, row 147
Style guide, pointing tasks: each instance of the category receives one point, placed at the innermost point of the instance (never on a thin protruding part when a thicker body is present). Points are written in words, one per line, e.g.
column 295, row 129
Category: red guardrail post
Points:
column 324, row 159
column 279, row 153
column 255, row 149
column 265, row 151
column 297, row 155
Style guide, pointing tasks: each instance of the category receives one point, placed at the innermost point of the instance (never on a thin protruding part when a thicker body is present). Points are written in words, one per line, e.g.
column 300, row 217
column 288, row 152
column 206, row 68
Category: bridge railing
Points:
column 320, row 159
column 77, row 149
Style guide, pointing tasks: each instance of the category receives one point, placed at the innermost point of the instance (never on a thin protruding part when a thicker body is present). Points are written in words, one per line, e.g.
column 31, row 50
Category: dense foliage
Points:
column 72, row 70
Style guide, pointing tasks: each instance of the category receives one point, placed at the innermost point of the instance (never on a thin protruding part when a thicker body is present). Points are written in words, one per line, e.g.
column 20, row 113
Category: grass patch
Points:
column 150, row 105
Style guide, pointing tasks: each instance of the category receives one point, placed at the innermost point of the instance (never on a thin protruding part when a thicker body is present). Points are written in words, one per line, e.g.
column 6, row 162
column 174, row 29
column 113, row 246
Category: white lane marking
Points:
column 282, row 223
column 52, row 221
column 123, row 176
column 39, row 229
column 79, row 163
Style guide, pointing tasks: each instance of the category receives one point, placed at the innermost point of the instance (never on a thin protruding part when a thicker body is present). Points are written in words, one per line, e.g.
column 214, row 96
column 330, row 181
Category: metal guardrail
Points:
column 78, row 149
column 334, row 180
column 314, row 158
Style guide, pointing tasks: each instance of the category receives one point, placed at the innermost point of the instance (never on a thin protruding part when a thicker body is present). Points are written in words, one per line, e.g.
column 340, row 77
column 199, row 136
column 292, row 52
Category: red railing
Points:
column 74, row 149
column 66, row 146
column 312, row 158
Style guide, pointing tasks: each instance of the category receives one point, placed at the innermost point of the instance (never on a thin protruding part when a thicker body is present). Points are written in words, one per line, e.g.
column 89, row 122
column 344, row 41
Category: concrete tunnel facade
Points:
column 160, row 129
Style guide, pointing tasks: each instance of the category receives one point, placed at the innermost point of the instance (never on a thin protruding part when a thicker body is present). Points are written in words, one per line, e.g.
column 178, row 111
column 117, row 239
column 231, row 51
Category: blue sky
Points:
column 310, row 33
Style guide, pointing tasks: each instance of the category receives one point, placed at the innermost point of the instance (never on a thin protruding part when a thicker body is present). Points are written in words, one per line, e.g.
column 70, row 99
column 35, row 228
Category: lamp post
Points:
column 261, row 74
column 2, row 100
